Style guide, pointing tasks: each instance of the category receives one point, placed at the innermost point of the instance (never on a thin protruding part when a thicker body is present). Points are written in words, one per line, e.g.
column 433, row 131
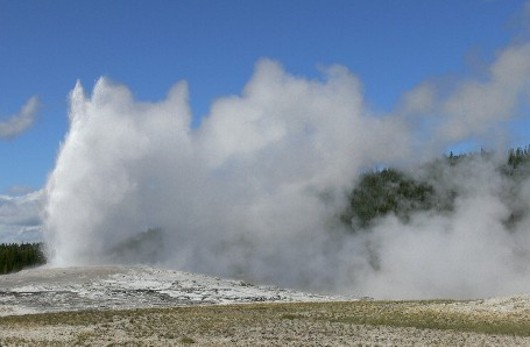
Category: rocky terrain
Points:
column 112, row 287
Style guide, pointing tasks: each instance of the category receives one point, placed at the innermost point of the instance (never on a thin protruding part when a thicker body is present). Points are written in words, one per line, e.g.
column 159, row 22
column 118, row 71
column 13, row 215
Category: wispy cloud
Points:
column 20, row 217
column 20, row 122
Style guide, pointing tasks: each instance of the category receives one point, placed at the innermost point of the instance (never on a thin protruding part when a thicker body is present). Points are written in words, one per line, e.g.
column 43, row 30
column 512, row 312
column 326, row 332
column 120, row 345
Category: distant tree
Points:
column 390, row 191
column 15, row 257
column 387, row 191
column 518, row 157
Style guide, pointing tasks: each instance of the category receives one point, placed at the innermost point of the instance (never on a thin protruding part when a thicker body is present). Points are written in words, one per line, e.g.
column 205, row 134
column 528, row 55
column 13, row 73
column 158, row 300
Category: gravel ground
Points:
column 309, row 324
column 104, row 306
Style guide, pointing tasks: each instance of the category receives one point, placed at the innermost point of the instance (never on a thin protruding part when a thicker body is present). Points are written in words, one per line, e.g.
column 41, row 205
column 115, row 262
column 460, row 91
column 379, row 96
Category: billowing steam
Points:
column 256, row 189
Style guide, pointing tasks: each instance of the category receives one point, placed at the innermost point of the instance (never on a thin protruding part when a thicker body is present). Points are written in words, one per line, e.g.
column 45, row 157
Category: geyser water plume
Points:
column 255, row 190
column 235, row 194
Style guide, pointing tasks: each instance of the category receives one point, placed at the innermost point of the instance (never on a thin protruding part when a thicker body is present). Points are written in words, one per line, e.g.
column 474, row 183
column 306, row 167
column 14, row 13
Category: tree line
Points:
column 392, row 191
column 15, row 257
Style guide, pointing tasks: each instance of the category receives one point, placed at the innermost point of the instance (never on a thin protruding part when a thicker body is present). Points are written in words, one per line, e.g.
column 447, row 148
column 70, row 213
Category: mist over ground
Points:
column 255, row 191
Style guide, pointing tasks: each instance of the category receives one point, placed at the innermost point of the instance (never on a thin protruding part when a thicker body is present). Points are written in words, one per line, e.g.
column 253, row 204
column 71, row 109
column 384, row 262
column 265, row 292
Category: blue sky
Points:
column 45, row 46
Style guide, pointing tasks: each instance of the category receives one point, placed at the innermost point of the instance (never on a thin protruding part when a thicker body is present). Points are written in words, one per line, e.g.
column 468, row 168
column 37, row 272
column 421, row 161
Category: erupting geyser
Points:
column 255, row 190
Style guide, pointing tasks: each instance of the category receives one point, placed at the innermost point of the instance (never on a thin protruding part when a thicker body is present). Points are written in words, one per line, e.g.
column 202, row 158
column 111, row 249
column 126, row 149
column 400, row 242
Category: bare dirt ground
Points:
column 133, row 314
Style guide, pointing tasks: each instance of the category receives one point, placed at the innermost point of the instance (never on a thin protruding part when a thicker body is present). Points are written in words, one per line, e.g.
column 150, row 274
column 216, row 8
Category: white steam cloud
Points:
column 256, row 189
column 20, row 122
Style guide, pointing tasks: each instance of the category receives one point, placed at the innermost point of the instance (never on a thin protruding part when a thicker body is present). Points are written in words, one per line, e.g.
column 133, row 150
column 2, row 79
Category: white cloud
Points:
column 419, row 101
column 21, row 217
column 475, row 108
column 20, row 122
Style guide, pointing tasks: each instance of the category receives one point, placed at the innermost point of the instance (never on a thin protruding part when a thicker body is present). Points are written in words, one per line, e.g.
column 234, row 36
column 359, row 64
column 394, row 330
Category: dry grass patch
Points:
column 297, row 324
